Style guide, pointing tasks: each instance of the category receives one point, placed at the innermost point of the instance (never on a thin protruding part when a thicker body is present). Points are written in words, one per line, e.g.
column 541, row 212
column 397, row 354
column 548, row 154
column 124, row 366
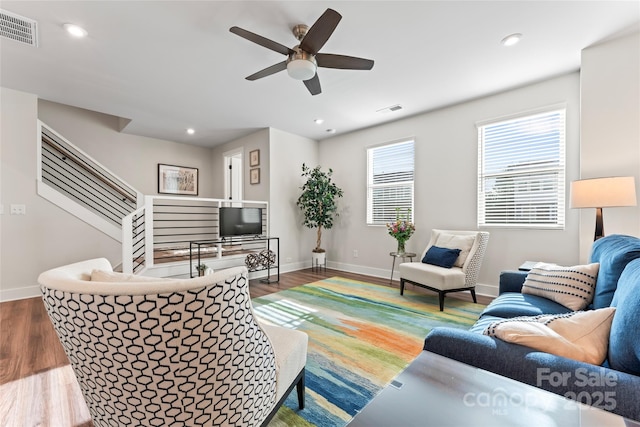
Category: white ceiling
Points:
column 171, row 65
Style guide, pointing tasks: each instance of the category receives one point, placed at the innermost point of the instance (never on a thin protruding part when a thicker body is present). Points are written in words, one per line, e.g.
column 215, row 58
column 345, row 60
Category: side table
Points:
column 396, row 255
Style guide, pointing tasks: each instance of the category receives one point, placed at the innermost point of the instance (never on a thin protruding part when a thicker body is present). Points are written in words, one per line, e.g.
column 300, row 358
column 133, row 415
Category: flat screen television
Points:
column 240, row 222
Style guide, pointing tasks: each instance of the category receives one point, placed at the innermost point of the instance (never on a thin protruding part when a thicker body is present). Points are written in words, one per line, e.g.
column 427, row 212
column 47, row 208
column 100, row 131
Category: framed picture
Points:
column 254, row 158
column 254, row 177
column 177, row 180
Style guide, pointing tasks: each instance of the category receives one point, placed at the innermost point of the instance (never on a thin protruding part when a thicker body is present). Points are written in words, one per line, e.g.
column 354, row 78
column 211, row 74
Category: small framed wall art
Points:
column 254, row 158
column 177, row 180
column 254, row 176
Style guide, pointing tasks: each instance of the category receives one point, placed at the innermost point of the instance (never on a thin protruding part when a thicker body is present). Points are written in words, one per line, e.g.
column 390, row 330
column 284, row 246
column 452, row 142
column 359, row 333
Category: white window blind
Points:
column 521, row 171
column 390, row 174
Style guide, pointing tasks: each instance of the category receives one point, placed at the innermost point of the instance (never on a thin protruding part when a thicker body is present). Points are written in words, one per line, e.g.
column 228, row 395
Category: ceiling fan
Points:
column 304, row 59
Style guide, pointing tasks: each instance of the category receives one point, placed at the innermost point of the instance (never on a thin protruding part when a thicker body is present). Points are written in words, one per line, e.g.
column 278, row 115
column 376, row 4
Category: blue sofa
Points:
column 614, row 386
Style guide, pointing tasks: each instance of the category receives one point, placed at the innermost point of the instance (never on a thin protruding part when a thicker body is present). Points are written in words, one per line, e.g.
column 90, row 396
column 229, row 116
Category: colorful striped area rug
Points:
column 361, row 336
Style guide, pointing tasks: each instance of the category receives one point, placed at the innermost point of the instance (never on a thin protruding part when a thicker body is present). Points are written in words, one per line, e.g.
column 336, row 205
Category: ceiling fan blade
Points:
column 328, row 60
column 268, row 71
column 262, row 41
column 320, row 32
column 313, row 84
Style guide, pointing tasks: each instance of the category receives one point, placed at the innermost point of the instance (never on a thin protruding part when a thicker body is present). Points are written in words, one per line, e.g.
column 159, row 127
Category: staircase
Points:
column 75, row 182
column 154, row 231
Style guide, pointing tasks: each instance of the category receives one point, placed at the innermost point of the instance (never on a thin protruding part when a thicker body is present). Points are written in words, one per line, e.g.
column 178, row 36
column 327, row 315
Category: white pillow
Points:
column 454, row 241
column 580, row 335
column 572, row 286
column 114, row 276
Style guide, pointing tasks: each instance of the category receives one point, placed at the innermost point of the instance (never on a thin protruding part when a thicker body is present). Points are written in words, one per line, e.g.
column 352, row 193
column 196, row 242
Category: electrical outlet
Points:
column 355, row 253
column 18, row 210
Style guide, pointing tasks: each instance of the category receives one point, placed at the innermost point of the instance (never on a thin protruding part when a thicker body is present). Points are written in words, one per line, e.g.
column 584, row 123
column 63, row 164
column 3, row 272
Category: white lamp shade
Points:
column 603, row 192
column 301, row 69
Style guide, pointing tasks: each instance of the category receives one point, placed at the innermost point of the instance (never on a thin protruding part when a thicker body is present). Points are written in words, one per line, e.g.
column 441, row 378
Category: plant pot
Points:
column 318, row 259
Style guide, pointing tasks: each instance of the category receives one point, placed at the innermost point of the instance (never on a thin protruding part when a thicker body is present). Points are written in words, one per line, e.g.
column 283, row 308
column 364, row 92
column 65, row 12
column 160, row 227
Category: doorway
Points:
column 233, row 167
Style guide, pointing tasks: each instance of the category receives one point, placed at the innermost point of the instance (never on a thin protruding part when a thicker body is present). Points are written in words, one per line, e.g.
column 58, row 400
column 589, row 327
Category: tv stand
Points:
column 195, row 249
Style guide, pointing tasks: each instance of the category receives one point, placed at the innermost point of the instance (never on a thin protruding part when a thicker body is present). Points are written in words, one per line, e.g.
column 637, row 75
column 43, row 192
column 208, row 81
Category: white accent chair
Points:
column 461, row 277
column 164, row 352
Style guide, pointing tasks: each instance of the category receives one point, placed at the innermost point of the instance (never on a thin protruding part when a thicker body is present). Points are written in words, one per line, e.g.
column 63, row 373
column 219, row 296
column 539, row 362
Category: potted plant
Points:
column 318, row 205
column 201, row 268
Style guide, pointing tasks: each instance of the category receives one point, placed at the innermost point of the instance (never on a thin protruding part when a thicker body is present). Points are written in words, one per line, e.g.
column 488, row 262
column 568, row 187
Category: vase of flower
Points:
column 401, row 229
column 401, row 250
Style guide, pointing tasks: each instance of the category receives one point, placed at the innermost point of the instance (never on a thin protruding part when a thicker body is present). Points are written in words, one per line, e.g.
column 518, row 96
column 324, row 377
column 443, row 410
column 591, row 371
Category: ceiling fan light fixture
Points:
column 301, row 69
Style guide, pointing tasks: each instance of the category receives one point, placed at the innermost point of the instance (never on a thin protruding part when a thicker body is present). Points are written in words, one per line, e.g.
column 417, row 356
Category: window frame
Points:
column 370, row 185
column 560, row 169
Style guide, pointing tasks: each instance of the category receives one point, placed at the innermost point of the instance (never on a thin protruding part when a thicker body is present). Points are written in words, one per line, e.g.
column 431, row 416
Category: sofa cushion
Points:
column 624, row 340
column 431, row 275
column 613, row 252
column 442, row 257
column 456, row 241
column 514, row 304
column 115, row 276
column 579, row 335
column 482, row 323
column 570, row 286
column 291, row 354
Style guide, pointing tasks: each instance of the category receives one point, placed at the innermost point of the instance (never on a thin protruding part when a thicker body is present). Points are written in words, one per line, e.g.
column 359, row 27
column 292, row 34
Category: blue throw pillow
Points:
column 442, row 257
column 613, row 252
column 624, row 338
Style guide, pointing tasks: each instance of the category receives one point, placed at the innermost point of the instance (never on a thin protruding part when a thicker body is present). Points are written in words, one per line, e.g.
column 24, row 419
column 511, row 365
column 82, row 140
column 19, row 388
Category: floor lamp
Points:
column 603, row 193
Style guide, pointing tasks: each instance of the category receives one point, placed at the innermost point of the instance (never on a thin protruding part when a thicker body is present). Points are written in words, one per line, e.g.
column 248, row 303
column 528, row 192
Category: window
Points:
column 521, row 170
column 389, row 181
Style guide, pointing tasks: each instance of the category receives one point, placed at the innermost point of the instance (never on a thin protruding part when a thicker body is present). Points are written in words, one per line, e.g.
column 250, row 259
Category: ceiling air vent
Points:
column 18, row 28
column 390, row 109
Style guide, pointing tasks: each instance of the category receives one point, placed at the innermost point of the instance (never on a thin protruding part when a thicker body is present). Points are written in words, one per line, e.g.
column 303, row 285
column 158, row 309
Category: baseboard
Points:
column 20, row 293
column 487, row 290
column 361, row 269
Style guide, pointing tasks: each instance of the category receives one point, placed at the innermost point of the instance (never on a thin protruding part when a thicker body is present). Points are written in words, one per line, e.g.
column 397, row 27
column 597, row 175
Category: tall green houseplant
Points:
column 318, row 201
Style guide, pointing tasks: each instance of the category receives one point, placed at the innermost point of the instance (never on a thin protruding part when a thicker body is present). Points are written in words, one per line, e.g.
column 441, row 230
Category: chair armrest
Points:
column 511, row 281
column 615, row 391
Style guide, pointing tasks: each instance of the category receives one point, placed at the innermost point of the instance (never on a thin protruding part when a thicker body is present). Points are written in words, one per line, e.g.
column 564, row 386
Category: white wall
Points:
column 445, row 183
column 47, row 236
column 610, row 127
column 287, row 154
column 256, row 141
column 133, row 158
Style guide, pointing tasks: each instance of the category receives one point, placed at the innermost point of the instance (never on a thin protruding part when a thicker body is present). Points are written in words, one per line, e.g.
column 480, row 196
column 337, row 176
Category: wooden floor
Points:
column 37, row 386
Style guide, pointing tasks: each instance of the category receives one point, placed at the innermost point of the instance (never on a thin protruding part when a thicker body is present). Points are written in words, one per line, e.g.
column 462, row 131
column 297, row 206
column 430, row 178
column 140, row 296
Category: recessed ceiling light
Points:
column 331, row 131
column 75, row 30
column 511, row 39
column 191, row 131
column 318, row 121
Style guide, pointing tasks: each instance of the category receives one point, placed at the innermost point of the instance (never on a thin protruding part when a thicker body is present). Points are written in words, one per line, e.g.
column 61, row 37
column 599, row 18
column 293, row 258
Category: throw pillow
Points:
column 114, row 276
column 572, row 287
column 442, row 257
column 580, row 335
column 454, row 241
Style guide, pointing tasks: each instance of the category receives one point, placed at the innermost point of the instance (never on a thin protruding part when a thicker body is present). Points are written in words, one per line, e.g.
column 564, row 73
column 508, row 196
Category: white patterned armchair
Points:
column 461, row 276
column 161, row 352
